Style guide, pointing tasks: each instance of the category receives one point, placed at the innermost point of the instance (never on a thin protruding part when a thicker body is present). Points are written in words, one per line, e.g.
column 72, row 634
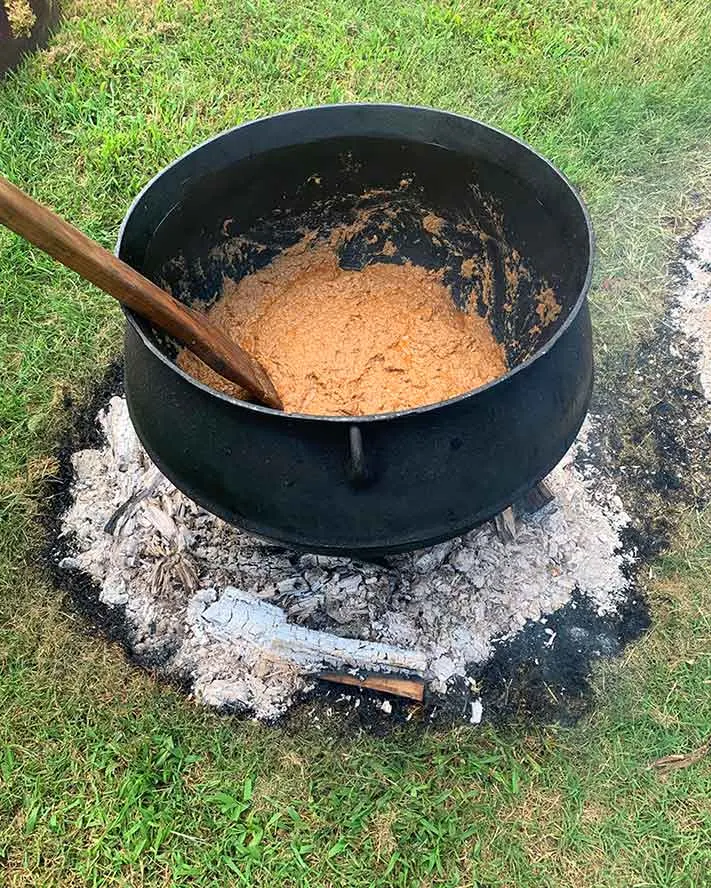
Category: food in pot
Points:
column 351, row 343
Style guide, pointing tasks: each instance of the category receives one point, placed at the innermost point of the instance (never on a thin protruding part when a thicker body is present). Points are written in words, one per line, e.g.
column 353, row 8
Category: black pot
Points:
column 387, row 482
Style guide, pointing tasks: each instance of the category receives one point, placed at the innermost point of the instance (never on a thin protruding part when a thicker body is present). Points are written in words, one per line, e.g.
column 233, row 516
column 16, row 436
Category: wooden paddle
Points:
column 72, row 248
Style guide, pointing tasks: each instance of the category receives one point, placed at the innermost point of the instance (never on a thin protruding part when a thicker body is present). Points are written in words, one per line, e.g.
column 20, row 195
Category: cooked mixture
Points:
column 351, row 343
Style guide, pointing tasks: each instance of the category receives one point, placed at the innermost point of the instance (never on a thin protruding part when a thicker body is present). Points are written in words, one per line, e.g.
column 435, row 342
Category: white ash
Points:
column 693, row 300
column 477, row 712
column 251, row 623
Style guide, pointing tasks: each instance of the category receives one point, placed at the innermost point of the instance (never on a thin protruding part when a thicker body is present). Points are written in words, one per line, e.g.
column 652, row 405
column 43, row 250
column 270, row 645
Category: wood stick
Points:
column 412, row 688
column 68, row 245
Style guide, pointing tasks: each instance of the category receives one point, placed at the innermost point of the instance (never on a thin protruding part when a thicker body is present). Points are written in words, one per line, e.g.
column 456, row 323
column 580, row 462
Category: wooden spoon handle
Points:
column 74, row 249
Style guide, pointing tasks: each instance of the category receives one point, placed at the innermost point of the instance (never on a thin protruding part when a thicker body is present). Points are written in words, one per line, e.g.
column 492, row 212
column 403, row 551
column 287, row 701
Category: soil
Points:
column 342, row 342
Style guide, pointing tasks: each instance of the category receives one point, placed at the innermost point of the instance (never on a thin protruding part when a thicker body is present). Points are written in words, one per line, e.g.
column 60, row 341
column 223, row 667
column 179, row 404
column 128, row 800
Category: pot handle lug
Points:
column 358, row 473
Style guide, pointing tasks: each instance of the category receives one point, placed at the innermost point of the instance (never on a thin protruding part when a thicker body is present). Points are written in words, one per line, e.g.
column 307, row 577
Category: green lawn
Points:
column 107, row 778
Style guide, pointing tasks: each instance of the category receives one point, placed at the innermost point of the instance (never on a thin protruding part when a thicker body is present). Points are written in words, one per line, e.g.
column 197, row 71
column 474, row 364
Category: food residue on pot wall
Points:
column 548, row 307
column 432, row 224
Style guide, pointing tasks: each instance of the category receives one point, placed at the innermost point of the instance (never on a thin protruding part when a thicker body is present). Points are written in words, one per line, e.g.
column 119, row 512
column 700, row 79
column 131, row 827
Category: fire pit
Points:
column 504, row 621
column 252, row 627
column 514, row 240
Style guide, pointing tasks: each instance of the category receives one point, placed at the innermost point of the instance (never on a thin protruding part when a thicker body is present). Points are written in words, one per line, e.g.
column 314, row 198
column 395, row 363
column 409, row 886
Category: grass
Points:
column 107, row 778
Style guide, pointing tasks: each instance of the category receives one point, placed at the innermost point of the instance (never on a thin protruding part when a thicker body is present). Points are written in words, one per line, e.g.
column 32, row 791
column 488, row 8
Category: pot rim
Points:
column 370, row 417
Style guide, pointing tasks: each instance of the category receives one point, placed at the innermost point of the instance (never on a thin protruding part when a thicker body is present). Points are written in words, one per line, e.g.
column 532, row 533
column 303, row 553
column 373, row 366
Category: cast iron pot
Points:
column 388, row 482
